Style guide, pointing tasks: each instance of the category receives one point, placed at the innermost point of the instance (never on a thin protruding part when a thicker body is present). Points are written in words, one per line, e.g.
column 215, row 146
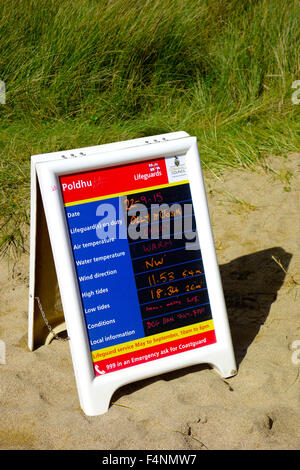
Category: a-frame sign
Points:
column 123, row 258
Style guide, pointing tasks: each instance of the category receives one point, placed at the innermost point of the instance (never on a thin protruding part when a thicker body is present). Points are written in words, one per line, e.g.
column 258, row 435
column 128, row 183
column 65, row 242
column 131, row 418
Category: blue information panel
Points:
column 138, row 262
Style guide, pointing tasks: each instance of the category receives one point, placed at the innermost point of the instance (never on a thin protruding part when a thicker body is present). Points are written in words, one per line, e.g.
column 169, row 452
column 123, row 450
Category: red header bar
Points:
column 114, row 180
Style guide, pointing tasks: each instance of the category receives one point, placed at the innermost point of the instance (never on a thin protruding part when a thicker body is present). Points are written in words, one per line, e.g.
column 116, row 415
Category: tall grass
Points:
column 83, row 72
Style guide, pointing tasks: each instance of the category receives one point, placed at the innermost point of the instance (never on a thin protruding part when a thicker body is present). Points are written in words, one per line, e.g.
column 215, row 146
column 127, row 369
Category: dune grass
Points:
column 85, row 72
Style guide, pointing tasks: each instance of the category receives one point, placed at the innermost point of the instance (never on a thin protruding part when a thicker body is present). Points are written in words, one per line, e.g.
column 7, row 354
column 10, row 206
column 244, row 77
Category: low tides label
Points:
column 138, row 262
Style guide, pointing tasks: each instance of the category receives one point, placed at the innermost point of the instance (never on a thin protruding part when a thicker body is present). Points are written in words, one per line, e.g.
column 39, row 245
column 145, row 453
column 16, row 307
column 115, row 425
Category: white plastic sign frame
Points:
column 95, row 392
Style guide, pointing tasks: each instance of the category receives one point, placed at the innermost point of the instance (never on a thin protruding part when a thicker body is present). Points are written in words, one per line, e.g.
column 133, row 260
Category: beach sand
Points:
column 256, row 225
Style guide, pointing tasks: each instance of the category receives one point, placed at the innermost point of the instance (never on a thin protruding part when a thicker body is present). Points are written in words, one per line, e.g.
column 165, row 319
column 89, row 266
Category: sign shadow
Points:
column 251, row 284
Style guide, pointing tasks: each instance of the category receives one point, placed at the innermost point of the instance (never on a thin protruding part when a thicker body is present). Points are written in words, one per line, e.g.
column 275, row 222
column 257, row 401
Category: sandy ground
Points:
column 256, row 224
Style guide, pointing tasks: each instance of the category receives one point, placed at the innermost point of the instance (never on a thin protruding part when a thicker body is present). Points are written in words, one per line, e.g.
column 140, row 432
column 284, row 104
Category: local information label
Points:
column 138, row 262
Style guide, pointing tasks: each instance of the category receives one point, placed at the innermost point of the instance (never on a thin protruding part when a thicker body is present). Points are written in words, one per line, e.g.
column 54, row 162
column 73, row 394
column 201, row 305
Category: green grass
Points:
column 86, row 72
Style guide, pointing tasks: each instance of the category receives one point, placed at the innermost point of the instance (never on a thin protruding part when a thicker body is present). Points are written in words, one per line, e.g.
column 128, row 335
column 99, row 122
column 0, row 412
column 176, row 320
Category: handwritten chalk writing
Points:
column 173, row 257
column 165, row 212
column 193, row 286
column 144, row 199
column 153, row 324
column 161, row 278
column 174, row 289
column 168, row 320
column 156, row 197
column 193, row 313
column 170, row 305
column 161, row 245
column 140, row 219
column 157, row 213
column 158, row 293
column 168, row 276
column 154, row 262
column 170, row 280
column 158, row 324
column 191, row 272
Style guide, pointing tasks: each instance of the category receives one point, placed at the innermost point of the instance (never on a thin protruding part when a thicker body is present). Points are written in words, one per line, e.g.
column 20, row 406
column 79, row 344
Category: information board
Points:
column 144, row 294
column 135, row 261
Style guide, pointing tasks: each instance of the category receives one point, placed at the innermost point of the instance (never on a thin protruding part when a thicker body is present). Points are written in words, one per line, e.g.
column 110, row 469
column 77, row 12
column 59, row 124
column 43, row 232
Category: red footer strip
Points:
column 155, row 352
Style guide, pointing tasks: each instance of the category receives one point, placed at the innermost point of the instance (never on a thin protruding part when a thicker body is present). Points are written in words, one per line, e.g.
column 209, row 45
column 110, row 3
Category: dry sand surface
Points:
column 255, row 217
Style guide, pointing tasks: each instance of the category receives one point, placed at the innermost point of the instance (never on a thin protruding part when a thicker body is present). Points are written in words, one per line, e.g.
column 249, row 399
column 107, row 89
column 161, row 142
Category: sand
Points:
column 256, row 224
